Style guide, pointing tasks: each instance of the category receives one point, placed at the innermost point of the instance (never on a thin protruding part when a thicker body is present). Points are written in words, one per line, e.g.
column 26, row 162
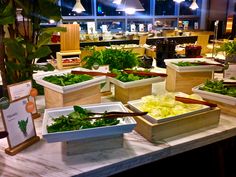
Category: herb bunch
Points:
column 78, row 120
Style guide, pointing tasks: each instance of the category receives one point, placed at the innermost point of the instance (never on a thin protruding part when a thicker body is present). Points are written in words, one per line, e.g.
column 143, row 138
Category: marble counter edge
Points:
column 170, row 150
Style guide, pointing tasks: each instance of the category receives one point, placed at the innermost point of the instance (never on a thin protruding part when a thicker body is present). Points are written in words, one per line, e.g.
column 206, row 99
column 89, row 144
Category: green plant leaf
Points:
column 53, row 29
column 43, row 39
column 6, row 14
column 49, row 9
column 15, row 49
column 42, row 51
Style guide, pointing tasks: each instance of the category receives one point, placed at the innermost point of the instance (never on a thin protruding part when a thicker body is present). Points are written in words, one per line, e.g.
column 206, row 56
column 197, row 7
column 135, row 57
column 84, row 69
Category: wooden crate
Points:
column 158, row 132
column 83, row 96
column 225, row 108
column 61, row 65
column 92, row 144
column 126, row 94
column 185, row 81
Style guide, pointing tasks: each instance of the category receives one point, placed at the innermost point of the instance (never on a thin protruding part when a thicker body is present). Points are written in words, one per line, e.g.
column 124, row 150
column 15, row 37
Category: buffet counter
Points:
column 150, row 41
column 47, row 159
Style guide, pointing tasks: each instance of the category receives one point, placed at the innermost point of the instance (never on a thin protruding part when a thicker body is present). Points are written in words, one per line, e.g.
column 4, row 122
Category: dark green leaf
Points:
column 42, row 51
column 15, row 49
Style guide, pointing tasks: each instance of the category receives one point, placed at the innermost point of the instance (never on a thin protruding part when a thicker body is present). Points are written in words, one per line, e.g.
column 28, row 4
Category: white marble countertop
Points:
column 47, row 159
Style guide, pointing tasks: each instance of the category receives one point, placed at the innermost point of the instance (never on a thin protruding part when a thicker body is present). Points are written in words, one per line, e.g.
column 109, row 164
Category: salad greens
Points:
column 67, row 79
column 115, row 58
column 163, row 106
column 124, row 77
column 186, row 63
column 78, row 120
column 216, row 86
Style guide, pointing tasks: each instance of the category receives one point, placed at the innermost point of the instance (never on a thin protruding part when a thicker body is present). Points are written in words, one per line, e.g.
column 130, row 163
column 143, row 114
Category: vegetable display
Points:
column 218, row 86
column 125, row 77
column 67, row 79
column 79, row 119
column 186, row 63
column 118, row 59
column 164, row 106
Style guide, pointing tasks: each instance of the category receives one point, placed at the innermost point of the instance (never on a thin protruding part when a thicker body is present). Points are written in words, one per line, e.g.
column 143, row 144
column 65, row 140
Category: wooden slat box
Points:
column 185, row 81
column 83, row 96
column 127, row 91
column 126, row 94
column 184, row 78
column 225, row 108
column 225, row 102
column 160, row 131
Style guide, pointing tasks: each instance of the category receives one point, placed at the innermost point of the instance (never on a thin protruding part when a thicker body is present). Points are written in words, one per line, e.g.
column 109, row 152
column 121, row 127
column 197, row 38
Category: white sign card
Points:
column 91, row 27
column 20, row 90
column 141, row 27
column 149, row 27
column 132, row 28
column 104, row 29
column 18, row 122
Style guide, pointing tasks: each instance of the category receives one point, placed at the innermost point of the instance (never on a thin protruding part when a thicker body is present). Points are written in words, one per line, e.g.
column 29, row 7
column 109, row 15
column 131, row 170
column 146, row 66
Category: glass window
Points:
column 107, row 8
column 146, row 6
column 165, row 7
column 114, row 26
column 67, row 6
column 185, row 10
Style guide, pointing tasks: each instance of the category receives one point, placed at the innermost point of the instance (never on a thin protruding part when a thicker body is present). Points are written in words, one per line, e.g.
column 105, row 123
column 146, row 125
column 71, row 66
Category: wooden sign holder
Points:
column 12, row 98
column 70, row 45
column 13, row 150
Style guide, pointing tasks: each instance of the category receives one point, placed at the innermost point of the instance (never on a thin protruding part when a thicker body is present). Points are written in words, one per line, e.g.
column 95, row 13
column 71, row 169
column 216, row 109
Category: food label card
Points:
column 20, row 90
column 18, row 122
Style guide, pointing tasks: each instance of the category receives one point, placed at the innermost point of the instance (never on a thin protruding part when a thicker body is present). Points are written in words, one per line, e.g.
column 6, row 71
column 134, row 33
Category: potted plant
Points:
column 21, row 37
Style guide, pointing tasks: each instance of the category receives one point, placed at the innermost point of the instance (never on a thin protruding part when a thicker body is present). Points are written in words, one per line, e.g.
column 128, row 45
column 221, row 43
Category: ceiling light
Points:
column 178, row 1
column 78, row 7
column 117, row 1
column 130, row 6
column 194, row 5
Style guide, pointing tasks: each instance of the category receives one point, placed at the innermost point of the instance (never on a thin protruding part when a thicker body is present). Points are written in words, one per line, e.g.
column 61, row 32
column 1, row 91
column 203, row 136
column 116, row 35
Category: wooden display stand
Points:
column 83, row 96
column 126, row 94
column 92, row 145
column 61, row 65
column 225, row 108
column 70, row 45
column 185, row 81
column 160, row 131
column 22, row 146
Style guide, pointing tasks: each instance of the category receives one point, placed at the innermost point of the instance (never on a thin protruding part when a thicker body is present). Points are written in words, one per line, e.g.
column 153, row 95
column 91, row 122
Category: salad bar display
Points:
column 221, row 92
column 133, row 84
column 67, row 79
column 184, row 74
column 194, row 65
column 164, row 108
column 167, row 117
column 78, row 123
column 65, row 89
